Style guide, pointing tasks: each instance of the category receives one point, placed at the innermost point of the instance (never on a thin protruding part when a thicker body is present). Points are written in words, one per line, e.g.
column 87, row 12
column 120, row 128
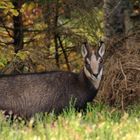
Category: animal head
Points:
column 93, row 67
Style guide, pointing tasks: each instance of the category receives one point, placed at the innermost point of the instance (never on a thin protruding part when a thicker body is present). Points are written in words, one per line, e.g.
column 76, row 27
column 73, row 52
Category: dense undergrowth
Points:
column 99, row 123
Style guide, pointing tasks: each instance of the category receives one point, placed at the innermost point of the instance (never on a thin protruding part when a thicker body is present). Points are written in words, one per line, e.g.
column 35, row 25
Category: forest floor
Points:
column 99, row 123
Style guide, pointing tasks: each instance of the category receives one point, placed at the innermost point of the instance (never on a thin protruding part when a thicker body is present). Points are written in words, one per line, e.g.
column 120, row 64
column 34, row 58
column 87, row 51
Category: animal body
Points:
column 27, row 94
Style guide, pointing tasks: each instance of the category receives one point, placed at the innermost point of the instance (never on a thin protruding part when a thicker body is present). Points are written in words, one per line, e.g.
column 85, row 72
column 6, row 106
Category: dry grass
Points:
column 121, row 81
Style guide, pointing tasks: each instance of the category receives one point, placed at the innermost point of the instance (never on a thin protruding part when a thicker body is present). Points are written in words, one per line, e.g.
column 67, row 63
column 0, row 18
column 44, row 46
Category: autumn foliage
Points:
column 42, row 35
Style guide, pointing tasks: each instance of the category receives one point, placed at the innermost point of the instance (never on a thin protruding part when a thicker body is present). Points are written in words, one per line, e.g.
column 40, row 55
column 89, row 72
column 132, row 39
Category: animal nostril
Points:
column 95, row 75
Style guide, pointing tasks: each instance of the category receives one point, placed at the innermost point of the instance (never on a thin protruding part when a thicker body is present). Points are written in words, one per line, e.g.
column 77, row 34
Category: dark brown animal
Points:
column 27, row 94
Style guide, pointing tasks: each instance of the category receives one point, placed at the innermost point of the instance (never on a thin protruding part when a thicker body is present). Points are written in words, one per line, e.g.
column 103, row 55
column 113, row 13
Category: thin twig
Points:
column 125, row 78
column 64, row 53
column 115, row 8
column 3, row 24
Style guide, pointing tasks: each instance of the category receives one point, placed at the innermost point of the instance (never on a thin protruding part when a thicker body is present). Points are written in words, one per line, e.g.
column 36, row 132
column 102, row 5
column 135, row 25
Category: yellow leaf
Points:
column 22, row 55
column 40, row 68
column 1, row 65
column 14, row 12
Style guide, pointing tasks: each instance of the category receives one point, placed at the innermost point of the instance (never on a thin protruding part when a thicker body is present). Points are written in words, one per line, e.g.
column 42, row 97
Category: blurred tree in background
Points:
column 122, row 21
column 43, row 35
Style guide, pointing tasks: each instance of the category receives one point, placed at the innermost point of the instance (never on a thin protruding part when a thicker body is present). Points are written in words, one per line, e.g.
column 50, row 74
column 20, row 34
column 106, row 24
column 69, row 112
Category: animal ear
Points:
column 84, row 50
column 101, row 50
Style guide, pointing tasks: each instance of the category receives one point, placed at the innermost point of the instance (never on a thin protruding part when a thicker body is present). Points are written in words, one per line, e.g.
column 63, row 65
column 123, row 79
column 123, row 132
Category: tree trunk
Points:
column 18, row 27
column 114, row 21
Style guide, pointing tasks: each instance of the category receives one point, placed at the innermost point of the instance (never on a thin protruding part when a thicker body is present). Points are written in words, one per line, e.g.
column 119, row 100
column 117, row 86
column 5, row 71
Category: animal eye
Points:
column 87, row 63
column 101, row 60
column 88, row 66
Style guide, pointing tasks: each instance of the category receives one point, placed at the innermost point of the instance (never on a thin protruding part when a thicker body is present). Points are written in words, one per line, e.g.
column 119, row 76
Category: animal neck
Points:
column 95, row 81
column 85, row 81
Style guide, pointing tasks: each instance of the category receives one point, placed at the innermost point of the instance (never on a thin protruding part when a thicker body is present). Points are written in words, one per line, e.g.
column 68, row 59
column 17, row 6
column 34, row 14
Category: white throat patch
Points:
column 95, row 81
